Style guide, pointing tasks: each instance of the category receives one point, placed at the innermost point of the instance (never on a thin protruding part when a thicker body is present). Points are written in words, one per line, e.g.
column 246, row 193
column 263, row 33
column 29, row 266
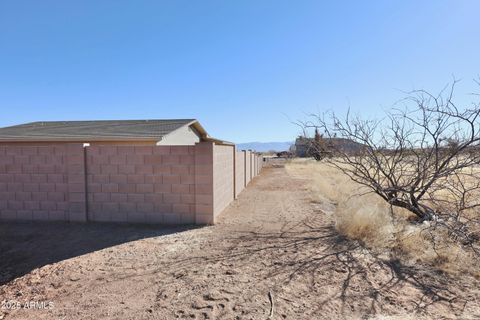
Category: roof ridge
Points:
column 90, row 129
column 110, row 120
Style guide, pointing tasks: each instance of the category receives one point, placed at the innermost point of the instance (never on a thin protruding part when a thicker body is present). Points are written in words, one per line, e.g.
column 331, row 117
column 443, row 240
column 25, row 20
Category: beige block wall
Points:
column 248, row 167
column 141, row 184
column 252, row 166
column 42, row 183
column 119, row 183
column 260, row 163
column 239, row 172
column 204, row 207
column 223, row 177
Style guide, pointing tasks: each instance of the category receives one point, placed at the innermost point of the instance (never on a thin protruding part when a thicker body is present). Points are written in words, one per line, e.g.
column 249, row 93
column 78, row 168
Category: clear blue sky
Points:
column 243, row 68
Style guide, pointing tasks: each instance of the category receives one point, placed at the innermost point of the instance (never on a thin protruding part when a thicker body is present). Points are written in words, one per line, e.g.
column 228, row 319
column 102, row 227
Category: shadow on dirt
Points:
column 27, row 246
column 320, row 257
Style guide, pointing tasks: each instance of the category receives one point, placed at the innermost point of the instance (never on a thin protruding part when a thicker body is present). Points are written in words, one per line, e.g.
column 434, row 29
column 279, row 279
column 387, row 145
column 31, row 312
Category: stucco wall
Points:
column 182, row 136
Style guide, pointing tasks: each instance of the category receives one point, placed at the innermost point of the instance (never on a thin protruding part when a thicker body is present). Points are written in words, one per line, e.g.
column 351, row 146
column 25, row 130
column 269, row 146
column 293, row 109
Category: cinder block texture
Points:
column 120, row 183
column 42, row 182
column 204, row 208
column 239, row 172
column 223, row 177
column 248, row 166
column 252, row 168
column 144, row 182
column 254, row 159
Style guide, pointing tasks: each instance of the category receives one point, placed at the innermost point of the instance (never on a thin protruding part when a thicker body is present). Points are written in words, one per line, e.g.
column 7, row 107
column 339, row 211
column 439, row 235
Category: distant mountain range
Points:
column 265, row 146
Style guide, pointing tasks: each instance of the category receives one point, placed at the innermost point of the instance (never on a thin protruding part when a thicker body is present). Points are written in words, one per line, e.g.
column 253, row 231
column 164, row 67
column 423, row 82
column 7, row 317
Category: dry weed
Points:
column 366, row 217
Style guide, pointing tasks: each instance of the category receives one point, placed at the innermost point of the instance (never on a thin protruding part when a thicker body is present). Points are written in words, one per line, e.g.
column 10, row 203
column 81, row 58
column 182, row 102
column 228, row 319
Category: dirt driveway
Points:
column 274, row 254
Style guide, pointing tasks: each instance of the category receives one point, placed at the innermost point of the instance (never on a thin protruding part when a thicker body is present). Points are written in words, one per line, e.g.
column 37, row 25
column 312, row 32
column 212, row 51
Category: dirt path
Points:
column 274, row 252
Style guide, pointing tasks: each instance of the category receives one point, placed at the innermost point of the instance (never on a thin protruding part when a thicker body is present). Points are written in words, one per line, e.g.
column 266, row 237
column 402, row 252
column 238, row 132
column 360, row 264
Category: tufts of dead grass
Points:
column 366, row 217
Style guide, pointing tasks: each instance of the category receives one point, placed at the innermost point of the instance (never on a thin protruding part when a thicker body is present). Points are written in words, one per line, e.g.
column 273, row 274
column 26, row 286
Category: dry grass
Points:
column 366, row 217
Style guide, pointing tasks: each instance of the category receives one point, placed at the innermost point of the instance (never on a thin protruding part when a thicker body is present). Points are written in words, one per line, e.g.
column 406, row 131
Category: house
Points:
column 303, row 146
column 306, row 147
column 135, row 171
column 108, row 132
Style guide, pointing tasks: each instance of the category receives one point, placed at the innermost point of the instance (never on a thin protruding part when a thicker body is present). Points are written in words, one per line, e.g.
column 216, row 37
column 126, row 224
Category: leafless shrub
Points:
column 368, row 218
column 424, row 158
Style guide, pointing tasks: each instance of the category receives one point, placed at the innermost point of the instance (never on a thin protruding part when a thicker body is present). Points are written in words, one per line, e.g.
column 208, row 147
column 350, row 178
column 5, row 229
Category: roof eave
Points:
column 204, row 135
column 194, row 123
column 201, row 130
column 220, row 142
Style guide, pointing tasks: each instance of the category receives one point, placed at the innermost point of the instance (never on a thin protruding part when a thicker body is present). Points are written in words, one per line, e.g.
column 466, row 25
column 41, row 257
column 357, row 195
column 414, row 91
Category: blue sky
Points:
column 243, row 68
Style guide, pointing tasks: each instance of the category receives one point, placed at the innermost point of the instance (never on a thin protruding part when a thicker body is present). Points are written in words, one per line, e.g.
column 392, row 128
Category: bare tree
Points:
column 423, row 158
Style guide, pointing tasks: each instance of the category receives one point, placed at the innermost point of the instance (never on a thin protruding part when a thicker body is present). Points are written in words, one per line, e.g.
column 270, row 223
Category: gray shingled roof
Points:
column 92, row 130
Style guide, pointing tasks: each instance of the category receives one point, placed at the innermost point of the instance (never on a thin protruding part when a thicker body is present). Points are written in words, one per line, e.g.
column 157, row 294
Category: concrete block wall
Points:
column 204, row 206
column 252, row 165
column 42, row 183
column 152, row 184
column 260, row 163
column 239, row 172
column 138, row 184
column 223, row 177
column 248, row 167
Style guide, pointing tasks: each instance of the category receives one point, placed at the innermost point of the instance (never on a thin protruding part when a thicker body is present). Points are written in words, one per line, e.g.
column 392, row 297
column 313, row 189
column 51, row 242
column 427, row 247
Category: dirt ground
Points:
column 275, row 254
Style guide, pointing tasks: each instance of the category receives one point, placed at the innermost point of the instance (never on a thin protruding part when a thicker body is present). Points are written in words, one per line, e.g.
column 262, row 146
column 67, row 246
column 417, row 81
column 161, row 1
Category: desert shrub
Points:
column 367, row 218
column 422, row 157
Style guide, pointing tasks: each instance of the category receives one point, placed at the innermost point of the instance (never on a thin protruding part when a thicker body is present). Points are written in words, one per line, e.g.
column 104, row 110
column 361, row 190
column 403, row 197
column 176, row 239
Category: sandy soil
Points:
column 274, row 255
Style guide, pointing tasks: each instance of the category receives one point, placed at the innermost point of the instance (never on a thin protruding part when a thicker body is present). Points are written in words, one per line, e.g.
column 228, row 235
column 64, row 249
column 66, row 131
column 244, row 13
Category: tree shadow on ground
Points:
column 30, row 245
column 320, row 257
